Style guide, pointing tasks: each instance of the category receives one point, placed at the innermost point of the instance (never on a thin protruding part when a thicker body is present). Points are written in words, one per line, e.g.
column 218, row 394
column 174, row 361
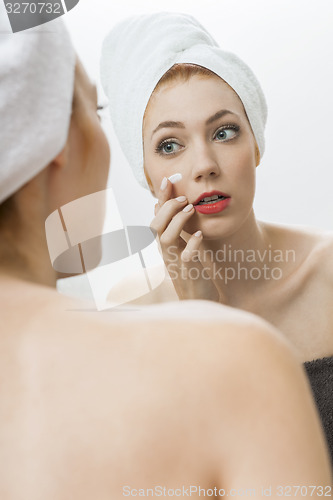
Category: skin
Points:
column 199, row 157
column 96, row 402
column 91, row 403
column 81, row 168
column 207, row 162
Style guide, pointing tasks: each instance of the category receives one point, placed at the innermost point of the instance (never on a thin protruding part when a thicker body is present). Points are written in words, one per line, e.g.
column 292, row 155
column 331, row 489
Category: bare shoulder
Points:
column 324, row 254
column 293, row 233
column 125, row 391
column 131, row 391
column 320, row 252
column 150, row 286
column 308, row 244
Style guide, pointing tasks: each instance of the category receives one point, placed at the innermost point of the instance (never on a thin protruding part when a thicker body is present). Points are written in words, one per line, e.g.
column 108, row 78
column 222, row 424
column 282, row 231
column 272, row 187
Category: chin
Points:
column 213, row 227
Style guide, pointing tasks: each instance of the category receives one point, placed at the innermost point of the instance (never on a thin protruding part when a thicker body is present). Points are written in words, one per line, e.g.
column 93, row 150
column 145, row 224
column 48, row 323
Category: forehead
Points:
column 196, row 99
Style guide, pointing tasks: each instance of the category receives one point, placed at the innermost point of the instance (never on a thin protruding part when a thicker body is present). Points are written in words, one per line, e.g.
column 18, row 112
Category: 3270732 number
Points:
column 304, row 491
column 33, row 8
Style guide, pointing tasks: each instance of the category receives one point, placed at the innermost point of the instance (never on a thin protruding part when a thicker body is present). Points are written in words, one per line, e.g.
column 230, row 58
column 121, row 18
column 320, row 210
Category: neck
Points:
column 241, row 261
column 250, row 236
column 24, row 254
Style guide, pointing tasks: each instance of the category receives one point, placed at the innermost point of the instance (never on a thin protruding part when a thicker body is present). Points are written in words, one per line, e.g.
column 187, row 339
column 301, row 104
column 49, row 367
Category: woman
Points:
column 198, row 113
column 100, row 406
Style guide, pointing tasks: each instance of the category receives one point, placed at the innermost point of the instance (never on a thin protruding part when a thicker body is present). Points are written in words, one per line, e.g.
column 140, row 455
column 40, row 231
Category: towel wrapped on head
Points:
column 140, row 50
column 37, row 70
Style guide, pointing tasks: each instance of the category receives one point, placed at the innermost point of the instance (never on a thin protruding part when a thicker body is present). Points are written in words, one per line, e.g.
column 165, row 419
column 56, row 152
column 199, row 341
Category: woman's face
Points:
column 199, row 128
column 85, row 160
column 89, row 152
column 84, row 170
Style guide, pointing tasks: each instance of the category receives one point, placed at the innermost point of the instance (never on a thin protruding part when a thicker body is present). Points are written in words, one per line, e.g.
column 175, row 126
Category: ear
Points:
column 257, row 156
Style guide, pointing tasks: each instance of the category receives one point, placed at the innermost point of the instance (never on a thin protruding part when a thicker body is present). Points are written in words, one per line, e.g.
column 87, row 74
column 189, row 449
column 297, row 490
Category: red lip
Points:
column 212, row 208
column 211, row 193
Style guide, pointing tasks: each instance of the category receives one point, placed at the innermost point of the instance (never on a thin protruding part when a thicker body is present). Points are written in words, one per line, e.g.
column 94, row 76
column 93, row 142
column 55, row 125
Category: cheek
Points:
column 155, row 178
column 157, row 168
column 77, row 148
column 103, row 151
column 243, row 171
column 153, row 173
column 97, row 157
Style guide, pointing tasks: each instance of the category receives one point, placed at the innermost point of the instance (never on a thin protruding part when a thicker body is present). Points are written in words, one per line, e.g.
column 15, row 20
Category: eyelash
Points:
column 102, row 107
column 163, row 143
column 229, row 126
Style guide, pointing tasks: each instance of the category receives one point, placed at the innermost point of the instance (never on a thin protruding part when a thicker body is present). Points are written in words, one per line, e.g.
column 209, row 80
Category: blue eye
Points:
column 168, row 148
column 171, row 147
column 226, row 133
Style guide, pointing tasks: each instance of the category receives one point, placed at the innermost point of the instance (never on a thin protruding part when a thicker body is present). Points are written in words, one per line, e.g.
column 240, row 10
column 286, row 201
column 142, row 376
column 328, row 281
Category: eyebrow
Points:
column 168, row 124
column 212, row 119
column 219, row 115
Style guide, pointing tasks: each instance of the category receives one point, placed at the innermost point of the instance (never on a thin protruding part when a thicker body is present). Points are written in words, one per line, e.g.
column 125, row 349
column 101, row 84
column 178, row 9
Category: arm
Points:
column 271, row 435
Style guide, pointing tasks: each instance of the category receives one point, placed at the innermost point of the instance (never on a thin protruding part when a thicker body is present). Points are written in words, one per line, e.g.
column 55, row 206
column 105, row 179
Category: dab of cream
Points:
column 175, row 178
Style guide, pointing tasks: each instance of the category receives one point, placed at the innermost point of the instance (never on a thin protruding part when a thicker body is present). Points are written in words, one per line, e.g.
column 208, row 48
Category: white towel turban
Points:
column 137, row 53
column 37, row 69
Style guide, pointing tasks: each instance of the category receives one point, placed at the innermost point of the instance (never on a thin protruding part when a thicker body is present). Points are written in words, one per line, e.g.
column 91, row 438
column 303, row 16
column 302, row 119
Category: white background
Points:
column 289, row 45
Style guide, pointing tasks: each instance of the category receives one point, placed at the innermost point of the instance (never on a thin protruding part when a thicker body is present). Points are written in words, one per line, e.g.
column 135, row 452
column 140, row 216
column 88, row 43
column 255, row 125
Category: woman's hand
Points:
column 191, row 280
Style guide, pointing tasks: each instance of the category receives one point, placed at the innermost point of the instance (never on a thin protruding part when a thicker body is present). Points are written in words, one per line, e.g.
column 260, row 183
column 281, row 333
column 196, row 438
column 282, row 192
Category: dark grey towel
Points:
column 320, row 374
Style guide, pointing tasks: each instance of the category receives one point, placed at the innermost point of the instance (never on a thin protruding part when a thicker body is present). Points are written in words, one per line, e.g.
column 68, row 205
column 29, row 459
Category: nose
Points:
column 205, row 164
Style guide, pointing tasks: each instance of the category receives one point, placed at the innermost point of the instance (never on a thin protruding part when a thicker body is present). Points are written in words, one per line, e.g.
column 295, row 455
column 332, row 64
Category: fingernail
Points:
column 164, row 183
column 188, row 208
column 175, row 178
column 198, row 234
column 181, row 198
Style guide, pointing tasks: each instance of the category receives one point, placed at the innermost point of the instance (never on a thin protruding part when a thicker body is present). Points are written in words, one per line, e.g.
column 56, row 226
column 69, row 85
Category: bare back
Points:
column 93, row 403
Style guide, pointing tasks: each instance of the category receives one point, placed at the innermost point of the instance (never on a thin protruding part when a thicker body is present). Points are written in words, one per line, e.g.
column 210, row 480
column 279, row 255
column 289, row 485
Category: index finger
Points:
column 164, row 193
